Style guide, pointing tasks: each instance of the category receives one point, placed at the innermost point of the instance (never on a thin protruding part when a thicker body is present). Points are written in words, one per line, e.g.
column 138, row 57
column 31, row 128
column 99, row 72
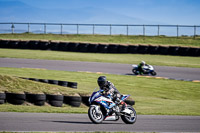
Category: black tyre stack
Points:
column 85, row 100
column 55, row 100
column 92, row 48
column 4, row 43
column 36, row 99
column 74, row 101
column 122, row 49
column 102, row 48
column 15, row 98
column 132, row 49
column 142, row 49
column 2, row 97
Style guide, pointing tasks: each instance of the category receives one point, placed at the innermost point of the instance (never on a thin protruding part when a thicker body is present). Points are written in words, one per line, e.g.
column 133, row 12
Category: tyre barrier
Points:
column 62, row 46
column 85, row 100
column 74, row 101
column 112, row 48
column 2, row 98
column 54, row 46
column 73, row 47
column 173, row 50
column 122, row 49
column 33, row 45
column 23, row 44
column 82, row 47
column 92, row 48
column 43, row 45
column 152, row 49
column 183, row 51
column 142, row 49
column 55, row 100
column 36, row 99
column 55, row 82
column 132, row 49
column 51, row 99
column 100, row 48
column 4, row 43
column 15, row 98
column 163, row 50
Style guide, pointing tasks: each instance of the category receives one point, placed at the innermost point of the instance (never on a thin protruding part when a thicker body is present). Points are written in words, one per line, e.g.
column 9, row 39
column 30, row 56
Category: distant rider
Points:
column 141, row 67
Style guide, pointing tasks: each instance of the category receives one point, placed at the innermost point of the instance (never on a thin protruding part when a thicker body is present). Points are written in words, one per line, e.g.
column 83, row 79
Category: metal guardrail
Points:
column 193, row 28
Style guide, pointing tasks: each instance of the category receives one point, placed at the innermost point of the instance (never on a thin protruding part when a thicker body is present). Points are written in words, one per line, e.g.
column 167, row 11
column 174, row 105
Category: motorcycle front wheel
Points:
column 130, row 118
column 153, row 73
column 95, row 117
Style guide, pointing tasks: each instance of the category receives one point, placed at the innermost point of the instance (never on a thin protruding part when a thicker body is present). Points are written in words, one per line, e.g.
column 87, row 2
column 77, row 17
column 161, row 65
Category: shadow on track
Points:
column 79, row 122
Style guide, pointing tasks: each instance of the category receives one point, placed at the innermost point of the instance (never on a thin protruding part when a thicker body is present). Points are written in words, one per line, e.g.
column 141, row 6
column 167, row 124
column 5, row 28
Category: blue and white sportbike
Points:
column 148, row 70
column 104, row 109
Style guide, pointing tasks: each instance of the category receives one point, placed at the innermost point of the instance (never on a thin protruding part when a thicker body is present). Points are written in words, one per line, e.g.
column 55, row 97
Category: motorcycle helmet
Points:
column 143, row 63
column 102, row 81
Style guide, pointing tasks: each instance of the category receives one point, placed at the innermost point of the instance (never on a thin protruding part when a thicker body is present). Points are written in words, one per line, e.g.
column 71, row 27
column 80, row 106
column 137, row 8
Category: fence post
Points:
column 158, row 30
column 93, row 28
column 28, row 27
column 45, row 29
column 143, row 30
column 127, row 30
column 13, row 28
column 110, row 29
column 194, row 31
column 77, row 28
column 177, row 31
column 61, row 29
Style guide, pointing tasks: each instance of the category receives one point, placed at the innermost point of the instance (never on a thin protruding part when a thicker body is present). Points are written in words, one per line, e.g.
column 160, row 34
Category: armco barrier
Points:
column 100, row 48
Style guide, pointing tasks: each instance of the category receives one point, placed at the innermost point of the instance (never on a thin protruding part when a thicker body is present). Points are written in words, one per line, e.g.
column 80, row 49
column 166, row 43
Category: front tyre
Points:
column 95, row 117
column 153, row 73
column 130, row 118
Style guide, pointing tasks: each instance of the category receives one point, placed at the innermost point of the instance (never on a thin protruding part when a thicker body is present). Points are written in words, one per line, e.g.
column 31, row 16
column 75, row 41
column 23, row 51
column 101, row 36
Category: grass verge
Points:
column 161, row 60
column 119, row 39
column 152, row 96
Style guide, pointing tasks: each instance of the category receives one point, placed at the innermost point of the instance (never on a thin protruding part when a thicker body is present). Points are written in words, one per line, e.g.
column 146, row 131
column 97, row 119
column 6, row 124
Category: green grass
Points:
column 119, row 39
column 152, row 96
column 161, row 60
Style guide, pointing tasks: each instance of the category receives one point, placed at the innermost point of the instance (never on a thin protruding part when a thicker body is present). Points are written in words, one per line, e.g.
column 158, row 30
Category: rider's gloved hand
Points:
column 117, row 101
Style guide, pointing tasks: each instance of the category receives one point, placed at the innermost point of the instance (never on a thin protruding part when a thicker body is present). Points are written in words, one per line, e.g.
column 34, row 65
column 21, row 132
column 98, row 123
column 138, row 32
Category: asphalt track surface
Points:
column 179, row 73
column 11, row 121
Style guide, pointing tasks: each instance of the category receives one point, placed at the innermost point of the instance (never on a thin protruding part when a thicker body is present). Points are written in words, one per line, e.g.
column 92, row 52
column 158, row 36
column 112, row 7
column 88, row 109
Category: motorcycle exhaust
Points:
column 110, row 118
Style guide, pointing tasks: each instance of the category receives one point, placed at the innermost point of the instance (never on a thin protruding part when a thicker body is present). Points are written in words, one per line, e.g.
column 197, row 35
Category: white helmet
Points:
column 143, row 63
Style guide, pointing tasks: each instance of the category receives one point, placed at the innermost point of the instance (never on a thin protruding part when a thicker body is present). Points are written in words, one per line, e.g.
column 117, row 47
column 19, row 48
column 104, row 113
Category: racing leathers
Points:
column 141, row 68
column 110, row 91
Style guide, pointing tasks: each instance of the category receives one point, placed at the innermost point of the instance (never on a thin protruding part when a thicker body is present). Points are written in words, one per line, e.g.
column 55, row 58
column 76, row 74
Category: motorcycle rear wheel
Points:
column 95, row 117
column 134, row 71
column 130, row 119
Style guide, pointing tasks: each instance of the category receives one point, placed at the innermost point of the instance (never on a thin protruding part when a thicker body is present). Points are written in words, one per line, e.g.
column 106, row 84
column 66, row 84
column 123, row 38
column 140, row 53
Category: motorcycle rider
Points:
column 109, row 90
column 140, row 67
